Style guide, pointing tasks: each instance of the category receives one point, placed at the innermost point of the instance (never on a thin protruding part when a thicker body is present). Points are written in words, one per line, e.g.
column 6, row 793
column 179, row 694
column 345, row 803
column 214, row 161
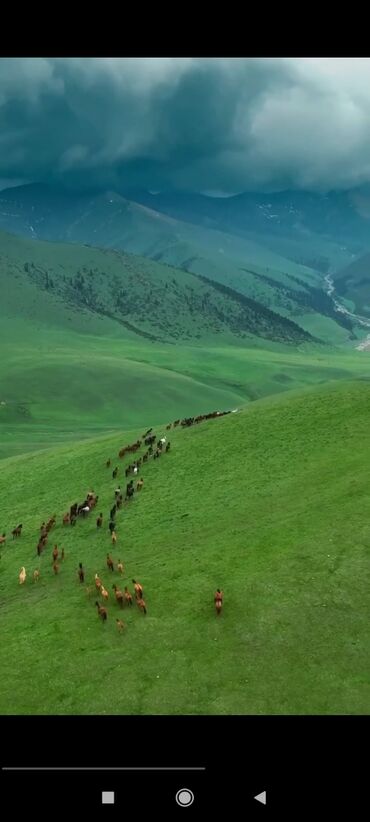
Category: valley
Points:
column 116, row 318
column 93, row 338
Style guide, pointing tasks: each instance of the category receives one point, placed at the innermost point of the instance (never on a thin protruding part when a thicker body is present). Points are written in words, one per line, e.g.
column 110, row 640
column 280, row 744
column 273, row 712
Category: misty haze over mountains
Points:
column 290, row 222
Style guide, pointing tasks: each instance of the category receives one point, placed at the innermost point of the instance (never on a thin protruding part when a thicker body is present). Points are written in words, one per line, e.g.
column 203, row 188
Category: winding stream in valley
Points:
column 330, row 290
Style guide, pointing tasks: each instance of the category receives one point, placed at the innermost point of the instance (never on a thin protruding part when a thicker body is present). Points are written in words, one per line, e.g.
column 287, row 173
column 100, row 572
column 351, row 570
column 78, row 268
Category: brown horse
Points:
column 218, row 600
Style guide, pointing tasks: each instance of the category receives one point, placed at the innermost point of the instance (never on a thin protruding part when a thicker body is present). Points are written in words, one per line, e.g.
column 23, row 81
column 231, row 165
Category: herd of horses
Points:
column 156, row 446
column 188, row 421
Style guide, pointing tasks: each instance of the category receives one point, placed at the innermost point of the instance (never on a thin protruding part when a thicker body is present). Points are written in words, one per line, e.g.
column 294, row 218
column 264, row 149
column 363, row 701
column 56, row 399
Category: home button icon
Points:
column 184, row 797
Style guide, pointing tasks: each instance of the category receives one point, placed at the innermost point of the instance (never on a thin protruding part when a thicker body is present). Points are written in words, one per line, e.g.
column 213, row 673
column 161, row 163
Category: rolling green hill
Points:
column 270, row 504
column 146, row 298
column 245, row 262
column 96, row 340
column 80, row 329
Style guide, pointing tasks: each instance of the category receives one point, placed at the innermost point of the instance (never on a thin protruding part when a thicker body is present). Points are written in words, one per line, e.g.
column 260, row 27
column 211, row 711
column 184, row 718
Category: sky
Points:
column 205, row 124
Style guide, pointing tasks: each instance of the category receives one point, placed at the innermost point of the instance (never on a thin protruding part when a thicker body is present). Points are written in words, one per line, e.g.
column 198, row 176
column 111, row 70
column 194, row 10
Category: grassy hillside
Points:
column 62, row 389
column 146, row 298
column 59, row 388
column 246, row 262
column 95, row 340
column 270, row 504
column 79, row 332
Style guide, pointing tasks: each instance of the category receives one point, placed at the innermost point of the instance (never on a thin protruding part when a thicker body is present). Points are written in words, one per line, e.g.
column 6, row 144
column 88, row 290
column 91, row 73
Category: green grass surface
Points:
column 97, row 291
column 69, row 371
column 57, row 387
column 271, row 504
column 67, row 387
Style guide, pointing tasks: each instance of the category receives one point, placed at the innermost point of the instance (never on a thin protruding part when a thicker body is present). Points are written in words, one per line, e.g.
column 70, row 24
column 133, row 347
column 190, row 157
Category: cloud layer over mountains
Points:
column 205, row 124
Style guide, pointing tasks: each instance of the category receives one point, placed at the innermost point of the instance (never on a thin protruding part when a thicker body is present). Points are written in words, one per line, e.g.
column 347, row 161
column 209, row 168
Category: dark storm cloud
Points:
column 206, row 124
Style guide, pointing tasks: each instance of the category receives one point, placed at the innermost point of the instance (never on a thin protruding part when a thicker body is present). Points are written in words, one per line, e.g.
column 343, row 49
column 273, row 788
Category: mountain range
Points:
column 101, row 290
column 261, row 247
column 319, row 231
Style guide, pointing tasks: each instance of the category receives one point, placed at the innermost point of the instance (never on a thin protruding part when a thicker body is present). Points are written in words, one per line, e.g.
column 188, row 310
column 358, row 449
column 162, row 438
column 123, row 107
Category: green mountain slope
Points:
column 322, row 231
column 270, row 504
column 94, row 340
column 244, row 262
column 81, row 335
column 154, row 301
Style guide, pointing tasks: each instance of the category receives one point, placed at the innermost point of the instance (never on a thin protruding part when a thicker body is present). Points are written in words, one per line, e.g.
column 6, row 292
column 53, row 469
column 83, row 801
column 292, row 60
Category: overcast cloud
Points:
column 206, row 124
